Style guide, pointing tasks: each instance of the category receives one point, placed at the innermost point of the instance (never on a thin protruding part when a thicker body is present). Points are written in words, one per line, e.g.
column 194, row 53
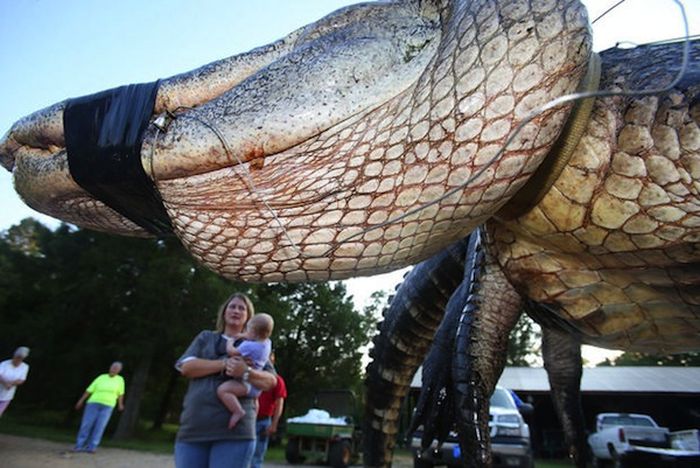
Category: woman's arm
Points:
column 262, row 379
column 198, row 367
column 5, row 383
column 82, row 399
column 237, row 367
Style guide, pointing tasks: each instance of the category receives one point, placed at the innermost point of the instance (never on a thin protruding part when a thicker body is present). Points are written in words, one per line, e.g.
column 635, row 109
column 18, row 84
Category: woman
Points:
column 102, row 395
column 204, row 440
column 13, row 373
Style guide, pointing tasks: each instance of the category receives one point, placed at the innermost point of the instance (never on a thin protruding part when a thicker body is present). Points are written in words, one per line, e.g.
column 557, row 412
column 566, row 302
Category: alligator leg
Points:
column 410, row 321
column 491, row 312
column 561, row 353
column 435, row 406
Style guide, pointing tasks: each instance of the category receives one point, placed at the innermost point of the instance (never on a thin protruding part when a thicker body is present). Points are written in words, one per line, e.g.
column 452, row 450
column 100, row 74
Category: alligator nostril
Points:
column 8, row 146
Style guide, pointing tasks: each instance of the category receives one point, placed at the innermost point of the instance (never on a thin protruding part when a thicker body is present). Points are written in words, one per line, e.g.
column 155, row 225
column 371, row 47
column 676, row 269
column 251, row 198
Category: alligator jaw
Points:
column 240, row 109
column 309, row 159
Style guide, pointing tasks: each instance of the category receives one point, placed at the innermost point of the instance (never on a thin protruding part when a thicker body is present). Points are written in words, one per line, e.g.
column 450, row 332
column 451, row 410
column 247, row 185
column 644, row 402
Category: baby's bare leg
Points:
column 228, row 392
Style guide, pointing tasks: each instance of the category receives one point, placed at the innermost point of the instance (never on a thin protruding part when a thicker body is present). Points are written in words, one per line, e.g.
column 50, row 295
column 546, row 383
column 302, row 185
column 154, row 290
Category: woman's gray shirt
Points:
column 204, row 418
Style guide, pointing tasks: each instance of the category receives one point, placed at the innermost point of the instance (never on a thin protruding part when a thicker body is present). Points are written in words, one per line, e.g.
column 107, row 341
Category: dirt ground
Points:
column 23, row 452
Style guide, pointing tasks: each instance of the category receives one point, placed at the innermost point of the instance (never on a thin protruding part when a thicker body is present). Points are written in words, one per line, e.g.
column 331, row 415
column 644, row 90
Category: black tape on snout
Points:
column 104, row 133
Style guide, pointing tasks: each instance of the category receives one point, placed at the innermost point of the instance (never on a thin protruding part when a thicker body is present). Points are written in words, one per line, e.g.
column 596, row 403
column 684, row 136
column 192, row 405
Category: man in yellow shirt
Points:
column 102, row 395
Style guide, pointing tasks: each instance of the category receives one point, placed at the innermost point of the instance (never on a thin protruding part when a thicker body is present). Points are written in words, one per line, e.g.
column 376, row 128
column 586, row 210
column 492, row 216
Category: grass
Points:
column 276, row 454
column 10, row 426
column 50, row 427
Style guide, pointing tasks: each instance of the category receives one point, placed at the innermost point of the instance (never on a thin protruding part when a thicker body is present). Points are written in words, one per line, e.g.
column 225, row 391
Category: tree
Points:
column 522, row 342
column 318, row 337
column 641, row 359
column 24, row 237
column 82, row 299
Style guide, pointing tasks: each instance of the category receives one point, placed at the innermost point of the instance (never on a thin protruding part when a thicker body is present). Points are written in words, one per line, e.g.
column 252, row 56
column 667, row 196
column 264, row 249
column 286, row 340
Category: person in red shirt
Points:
column 270, row 407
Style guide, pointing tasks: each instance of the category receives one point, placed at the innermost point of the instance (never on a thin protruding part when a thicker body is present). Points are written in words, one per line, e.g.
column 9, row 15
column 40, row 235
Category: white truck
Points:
column 510, row 437
column 616, row 432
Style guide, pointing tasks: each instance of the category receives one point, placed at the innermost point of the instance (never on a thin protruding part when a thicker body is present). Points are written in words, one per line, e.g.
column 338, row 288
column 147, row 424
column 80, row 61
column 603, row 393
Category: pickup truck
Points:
column 619, row 433
column 510, row 437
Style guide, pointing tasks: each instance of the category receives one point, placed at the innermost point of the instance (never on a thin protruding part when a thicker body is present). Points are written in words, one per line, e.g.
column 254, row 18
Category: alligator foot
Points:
column 467, row 357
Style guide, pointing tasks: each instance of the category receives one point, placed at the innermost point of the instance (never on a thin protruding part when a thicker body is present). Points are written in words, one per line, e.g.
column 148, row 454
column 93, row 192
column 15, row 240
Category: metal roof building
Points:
column 614, row 379
column 610, row 379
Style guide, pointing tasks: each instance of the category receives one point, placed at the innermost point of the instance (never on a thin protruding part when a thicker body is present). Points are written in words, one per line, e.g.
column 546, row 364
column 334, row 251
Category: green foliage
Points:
column 317, row 339
column 641, row 359
column 81, row 299
column 523, row 342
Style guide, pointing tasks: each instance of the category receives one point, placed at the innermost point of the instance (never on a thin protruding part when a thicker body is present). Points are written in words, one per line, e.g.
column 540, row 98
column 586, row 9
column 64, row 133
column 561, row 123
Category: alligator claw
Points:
column 435, row 407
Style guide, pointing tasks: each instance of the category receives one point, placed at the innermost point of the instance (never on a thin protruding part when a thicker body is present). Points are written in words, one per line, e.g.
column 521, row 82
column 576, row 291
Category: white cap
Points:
column 22, row 352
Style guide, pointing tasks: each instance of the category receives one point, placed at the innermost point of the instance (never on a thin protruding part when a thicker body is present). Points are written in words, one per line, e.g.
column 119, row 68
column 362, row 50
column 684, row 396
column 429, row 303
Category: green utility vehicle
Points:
column 334, row 442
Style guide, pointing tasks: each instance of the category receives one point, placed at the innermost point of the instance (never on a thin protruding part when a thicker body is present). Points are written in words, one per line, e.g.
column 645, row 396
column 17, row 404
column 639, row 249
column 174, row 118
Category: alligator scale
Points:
column 398, row 132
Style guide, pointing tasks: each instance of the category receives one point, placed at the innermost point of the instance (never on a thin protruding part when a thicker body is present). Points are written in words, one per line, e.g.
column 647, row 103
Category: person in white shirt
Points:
column 13, row 372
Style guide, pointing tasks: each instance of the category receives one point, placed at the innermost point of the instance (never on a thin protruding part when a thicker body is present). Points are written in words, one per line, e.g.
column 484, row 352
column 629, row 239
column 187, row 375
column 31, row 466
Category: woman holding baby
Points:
column 204, row 438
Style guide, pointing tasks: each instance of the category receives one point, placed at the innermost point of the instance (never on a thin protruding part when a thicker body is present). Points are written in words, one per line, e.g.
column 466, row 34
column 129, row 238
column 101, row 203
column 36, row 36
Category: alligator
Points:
column 387, row 131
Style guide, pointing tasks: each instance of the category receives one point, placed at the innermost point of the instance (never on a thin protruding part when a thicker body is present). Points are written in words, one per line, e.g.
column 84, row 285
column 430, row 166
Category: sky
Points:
column 51, row 50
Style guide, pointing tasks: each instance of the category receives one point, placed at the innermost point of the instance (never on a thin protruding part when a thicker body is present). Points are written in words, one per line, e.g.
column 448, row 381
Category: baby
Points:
column 257, row 347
